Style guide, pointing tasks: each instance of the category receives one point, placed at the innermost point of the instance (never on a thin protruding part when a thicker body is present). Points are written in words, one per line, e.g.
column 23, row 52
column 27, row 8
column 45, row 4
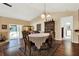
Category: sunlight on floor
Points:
column 68, row 47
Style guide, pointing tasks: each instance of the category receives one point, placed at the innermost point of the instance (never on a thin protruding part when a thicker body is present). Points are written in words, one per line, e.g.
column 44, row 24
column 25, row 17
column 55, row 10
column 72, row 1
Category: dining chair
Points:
column 27, row 44
column 25, row 41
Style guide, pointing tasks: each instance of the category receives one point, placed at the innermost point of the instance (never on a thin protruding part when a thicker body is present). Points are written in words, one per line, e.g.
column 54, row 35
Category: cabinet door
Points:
column 50, row 26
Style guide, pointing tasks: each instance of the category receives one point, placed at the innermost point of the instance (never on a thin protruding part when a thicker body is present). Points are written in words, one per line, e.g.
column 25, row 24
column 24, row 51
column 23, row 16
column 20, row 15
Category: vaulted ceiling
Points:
column 28, row 11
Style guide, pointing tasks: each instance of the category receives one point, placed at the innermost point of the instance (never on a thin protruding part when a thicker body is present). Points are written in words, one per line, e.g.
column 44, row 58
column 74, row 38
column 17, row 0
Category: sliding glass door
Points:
column 15, row 31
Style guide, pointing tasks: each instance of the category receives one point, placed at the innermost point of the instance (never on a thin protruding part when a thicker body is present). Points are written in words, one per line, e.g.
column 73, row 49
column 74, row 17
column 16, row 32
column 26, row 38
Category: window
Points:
column 38, row 27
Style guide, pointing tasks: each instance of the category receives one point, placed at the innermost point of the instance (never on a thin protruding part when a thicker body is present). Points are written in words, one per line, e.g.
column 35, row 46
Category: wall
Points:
column 38, row 21
column 56, row 17
column 7, row 21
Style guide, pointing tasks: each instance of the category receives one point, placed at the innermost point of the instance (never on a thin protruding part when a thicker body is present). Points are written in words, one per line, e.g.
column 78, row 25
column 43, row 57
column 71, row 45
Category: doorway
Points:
column 15, row 35
column 15, row 31
column 67, row 27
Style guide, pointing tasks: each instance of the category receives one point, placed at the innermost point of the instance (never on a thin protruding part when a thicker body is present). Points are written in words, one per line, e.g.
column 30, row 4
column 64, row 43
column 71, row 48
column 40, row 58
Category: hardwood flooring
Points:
column 62, row 48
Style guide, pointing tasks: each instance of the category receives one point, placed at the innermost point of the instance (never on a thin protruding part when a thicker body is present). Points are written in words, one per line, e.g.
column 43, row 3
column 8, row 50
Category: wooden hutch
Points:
column 50, row 26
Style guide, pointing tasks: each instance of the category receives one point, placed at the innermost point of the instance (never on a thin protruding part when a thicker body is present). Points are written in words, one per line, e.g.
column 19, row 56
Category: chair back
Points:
column 25, row 36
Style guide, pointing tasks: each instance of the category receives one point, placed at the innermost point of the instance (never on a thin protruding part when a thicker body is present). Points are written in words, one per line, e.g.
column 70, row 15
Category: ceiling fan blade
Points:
column 7, row 4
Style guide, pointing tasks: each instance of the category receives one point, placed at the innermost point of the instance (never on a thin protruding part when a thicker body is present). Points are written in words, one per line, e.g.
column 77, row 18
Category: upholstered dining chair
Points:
column 25, row 41
column 27, row 44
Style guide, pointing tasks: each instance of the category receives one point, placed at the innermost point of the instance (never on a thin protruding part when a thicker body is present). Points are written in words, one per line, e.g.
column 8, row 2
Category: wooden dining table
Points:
column 38, row 39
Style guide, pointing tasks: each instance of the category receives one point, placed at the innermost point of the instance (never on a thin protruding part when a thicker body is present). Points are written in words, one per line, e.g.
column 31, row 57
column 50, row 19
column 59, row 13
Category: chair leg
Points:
column 25, row 49
column 39, row 52
column 29, row 50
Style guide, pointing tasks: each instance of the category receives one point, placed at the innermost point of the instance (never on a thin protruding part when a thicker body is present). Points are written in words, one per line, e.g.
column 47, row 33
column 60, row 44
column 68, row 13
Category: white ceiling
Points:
column 28, row 11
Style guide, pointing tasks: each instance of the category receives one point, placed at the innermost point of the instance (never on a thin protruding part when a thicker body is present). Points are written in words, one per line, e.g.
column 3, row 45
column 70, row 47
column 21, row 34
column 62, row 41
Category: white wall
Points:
column 38, row 21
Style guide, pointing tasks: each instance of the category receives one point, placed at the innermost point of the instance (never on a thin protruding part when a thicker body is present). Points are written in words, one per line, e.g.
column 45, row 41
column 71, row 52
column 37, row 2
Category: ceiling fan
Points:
column 7, row 4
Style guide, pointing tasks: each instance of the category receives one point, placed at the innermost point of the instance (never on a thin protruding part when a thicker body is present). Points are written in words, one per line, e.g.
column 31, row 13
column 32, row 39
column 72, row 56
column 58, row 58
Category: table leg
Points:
column 30, row 51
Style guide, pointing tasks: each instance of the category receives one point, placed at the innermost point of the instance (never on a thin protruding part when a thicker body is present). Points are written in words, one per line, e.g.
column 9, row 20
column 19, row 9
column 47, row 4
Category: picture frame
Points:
column 4, row 26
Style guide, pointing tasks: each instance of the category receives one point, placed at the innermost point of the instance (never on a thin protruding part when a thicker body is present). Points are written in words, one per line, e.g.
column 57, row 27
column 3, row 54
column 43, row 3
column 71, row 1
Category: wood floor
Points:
column 62, row 48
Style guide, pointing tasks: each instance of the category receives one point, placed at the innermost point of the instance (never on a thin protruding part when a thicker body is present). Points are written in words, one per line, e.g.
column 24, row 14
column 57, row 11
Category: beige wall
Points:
column 7, row 21
column 56, row 17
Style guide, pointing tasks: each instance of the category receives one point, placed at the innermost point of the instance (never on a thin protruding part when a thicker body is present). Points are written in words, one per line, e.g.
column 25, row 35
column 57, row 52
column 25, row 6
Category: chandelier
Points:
column 45, row 15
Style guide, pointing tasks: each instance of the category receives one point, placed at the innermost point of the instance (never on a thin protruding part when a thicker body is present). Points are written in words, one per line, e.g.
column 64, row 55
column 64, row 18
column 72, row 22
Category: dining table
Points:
column 38, row 39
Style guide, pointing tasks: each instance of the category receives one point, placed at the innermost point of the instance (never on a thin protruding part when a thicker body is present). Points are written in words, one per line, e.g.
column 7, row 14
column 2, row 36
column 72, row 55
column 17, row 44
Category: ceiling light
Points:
column 45, row 15
column 48, row 15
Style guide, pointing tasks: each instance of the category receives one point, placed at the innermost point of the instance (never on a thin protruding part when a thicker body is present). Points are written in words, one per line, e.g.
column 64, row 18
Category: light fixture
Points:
column 45, row 14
